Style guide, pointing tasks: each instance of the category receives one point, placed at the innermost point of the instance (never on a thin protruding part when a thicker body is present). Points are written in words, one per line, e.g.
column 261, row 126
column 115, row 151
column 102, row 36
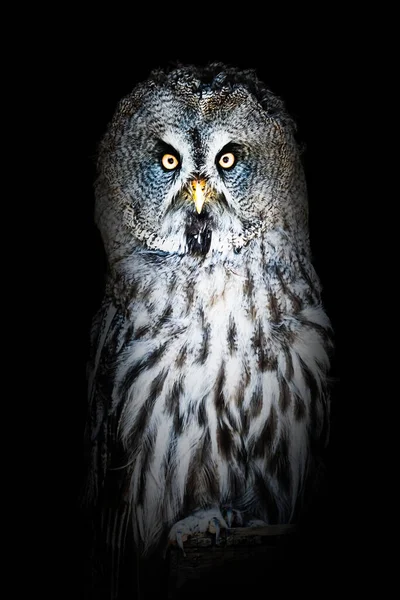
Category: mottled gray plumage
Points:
column 208, row 380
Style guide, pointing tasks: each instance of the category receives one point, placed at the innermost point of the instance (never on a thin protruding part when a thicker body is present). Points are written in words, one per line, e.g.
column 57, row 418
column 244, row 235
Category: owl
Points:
column 208, row 376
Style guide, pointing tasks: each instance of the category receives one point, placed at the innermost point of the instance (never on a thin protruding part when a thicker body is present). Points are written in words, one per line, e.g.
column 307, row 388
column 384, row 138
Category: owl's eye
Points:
column 227, row 160
column 169, row 161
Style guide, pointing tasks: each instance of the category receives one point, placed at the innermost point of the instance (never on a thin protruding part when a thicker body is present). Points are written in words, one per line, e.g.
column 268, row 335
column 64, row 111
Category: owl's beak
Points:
column 198, row 187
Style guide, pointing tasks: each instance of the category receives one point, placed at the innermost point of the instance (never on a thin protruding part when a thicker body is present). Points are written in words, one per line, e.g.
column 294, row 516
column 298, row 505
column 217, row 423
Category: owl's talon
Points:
column 179, row 541
column 217, row 528
column 229, row 516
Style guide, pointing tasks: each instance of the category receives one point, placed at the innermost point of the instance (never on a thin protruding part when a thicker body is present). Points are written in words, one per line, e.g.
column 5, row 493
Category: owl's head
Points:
column 198, row 161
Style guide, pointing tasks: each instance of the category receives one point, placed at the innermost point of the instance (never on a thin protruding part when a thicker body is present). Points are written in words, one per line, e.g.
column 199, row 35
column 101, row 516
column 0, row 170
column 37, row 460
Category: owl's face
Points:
column 196, row 165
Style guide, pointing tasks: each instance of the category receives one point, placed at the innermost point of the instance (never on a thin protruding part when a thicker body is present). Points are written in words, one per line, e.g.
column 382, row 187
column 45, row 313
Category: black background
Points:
column 317, row 64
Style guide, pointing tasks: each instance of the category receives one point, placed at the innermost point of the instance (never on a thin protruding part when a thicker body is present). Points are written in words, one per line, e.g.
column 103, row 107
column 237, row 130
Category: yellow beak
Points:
column 198, row 187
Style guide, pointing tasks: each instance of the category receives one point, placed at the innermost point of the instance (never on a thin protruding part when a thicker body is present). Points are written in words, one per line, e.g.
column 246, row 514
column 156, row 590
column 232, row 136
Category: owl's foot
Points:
column 237, row 518
column 200, row 521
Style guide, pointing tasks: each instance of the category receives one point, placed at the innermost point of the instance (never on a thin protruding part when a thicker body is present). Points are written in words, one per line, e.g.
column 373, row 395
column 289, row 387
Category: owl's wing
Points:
column 107, row 481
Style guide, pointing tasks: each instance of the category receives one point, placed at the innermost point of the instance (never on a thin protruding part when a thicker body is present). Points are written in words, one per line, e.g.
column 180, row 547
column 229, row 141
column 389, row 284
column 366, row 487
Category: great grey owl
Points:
column 211, row 350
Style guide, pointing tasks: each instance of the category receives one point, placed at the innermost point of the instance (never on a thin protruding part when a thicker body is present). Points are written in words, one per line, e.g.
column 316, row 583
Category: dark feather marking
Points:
column 148, row 361
column 205, row 342
column 311, row 298
column 141, row 332
column 181, row 356
column 307, row 278
column 129, row 334
column 178, row 421
column 321, row 366
column 232, row 335
column 271, row 364
column 236, row 487
column 147, row 290
column 219, row 398
column 246, row 373
column 300, row 409
column 242, row 456
column 259, row 341
column 202, row 413
column 318, row 410
column 172, row 398
column 312, row 385
column 289, row 372
column 248, row 285
column 157, row 386
column 252, row 310
column 146, row 410
column 326, row 334
column 189, row 297
column 296, row 301
column 264, row 443
column 245, row 419
column 276, row 314
column 167, row 312
column 196, row 138
column 239, row 395
column 128, row 287
column 231, row 419
column 265, row 362
column 201, row 469
column 224, row 440
column 308, row 376
column 162, row 319
column 172, row 283
column 285, row 396
column 147, row 451
column 168, row 462
column 112, row 343
column 256, row 402
column 279, row 463
column 169, row 457
column 263, row 264
column 197, row 147
column 213, row 299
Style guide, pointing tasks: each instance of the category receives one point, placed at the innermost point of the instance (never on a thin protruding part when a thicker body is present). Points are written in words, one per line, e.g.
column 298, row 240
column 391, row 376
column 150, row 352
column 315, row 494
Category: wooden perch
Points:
column 204, row 559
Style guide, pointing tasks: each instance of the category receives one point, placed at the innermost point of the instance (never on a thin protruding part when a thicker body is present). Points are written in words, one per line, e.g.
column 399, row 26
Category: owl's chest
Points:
column 200, row 338
column 214, row 314
column 219, row 348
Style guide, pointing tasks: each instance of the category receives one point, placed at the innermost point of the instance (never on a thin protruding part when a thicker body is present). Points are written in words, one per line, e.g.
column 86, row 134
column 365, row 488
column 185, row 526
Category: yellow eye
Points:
column 169, row 161
column 227, row 160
